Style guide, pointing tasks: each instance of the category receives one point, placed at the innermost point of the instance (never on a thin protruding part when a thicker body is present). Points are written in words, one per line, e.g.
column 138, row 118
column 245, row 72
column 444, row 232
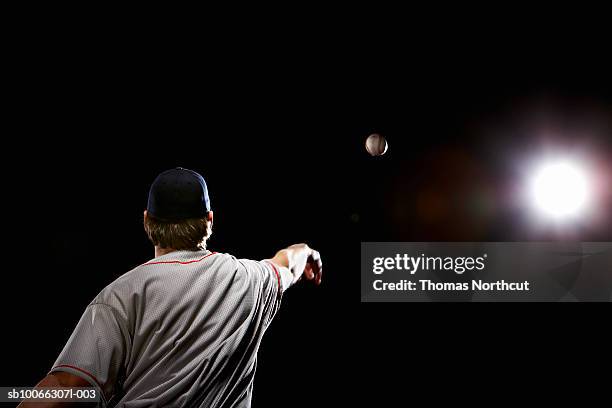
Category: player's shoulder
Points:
column 121, row 287
column 230, row 261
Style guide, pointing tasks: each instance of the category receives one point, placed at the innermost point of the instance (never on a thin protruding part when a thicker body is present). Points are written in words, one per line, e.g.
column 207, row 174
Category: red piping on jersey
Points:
column 179, row 262
column 277, row 275
column 82, row 371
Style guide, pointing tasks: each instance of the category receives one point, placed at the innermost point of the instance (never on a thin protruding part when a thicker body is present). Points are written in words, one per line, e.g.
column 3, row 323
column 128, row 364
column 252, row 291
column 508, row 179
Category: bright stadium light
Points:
column 560, row 189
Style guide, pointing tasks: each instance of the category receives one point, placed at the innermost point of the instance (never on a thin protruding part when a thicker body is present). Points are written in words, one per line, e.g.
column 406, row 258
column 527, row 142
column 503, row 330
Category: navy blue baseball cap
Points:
column 178, row 194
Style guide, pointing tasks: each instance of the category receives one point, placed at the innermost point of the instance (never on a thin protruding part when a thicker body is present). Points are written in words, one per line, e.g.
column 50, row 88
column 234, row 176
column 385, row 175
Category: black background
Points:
column 277, row 127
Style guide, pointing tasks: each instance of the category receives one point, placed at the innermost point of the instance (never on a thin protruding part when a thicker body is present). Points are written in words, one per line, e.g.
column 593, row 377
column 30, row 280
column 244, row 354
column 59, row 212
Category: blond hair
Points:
column 189, row 234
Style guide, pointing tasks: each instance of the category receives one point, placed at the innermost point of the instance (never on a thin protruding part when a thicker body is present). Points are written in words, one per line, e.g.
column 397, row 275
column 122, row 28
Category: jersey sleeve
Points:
column 268, row 280
column 97, row 348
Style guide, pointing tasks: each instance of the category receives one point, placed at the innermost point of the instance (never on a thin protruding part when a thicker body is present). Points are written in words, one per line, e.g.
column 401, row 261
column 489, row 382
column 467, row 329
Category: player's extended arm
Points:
column 298, row 261
column 59, row 379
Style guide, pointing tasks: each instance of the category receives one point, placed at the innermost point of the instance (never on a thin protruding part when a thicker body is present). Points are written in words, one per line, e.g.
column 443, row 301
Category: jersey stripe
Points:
column 81, row 371
column 179, row 262
column 280, row 286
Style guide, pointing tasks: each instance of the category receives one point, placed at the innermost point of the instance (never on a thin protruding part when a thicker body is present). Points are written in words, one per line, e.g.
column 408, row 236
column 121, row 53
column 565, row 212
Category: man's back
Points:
column 180, row 330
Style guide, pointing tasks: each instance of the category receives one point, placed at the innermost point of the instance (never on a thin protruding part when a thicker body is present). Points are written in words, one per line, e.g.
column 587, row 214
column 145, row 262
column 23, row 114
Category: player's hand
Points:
column 305, row 263
column 314, row 267
column 302, row 262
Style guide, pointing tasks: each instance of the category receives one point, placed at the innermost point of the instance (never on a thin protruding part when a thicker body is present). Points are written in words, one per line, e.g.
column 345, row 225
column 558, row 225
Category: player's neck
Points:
column 162, row 251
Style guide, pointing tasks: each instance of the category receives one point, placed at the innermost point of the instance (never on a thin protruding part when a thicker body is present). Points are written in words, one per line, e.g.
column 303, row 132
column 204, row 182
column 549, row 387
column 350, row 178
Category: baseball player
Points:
column 183, row 329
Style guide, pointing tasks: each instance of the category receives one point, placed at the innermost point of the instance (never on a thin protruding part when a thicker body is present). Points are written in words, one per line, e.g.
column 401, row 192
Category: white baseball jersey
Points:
column 182, row 330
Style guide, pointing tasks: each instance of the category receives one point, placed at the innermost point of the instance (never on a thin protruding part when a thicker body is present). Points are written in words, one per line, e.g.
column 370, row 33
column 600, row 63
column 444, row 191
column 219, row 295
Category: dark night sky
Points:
column 278, row 134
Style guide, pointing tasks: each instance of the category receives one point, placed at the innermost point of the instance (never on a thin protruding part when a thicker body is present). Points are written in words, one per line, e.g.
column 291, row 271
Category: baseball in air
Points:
column 376, row 145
